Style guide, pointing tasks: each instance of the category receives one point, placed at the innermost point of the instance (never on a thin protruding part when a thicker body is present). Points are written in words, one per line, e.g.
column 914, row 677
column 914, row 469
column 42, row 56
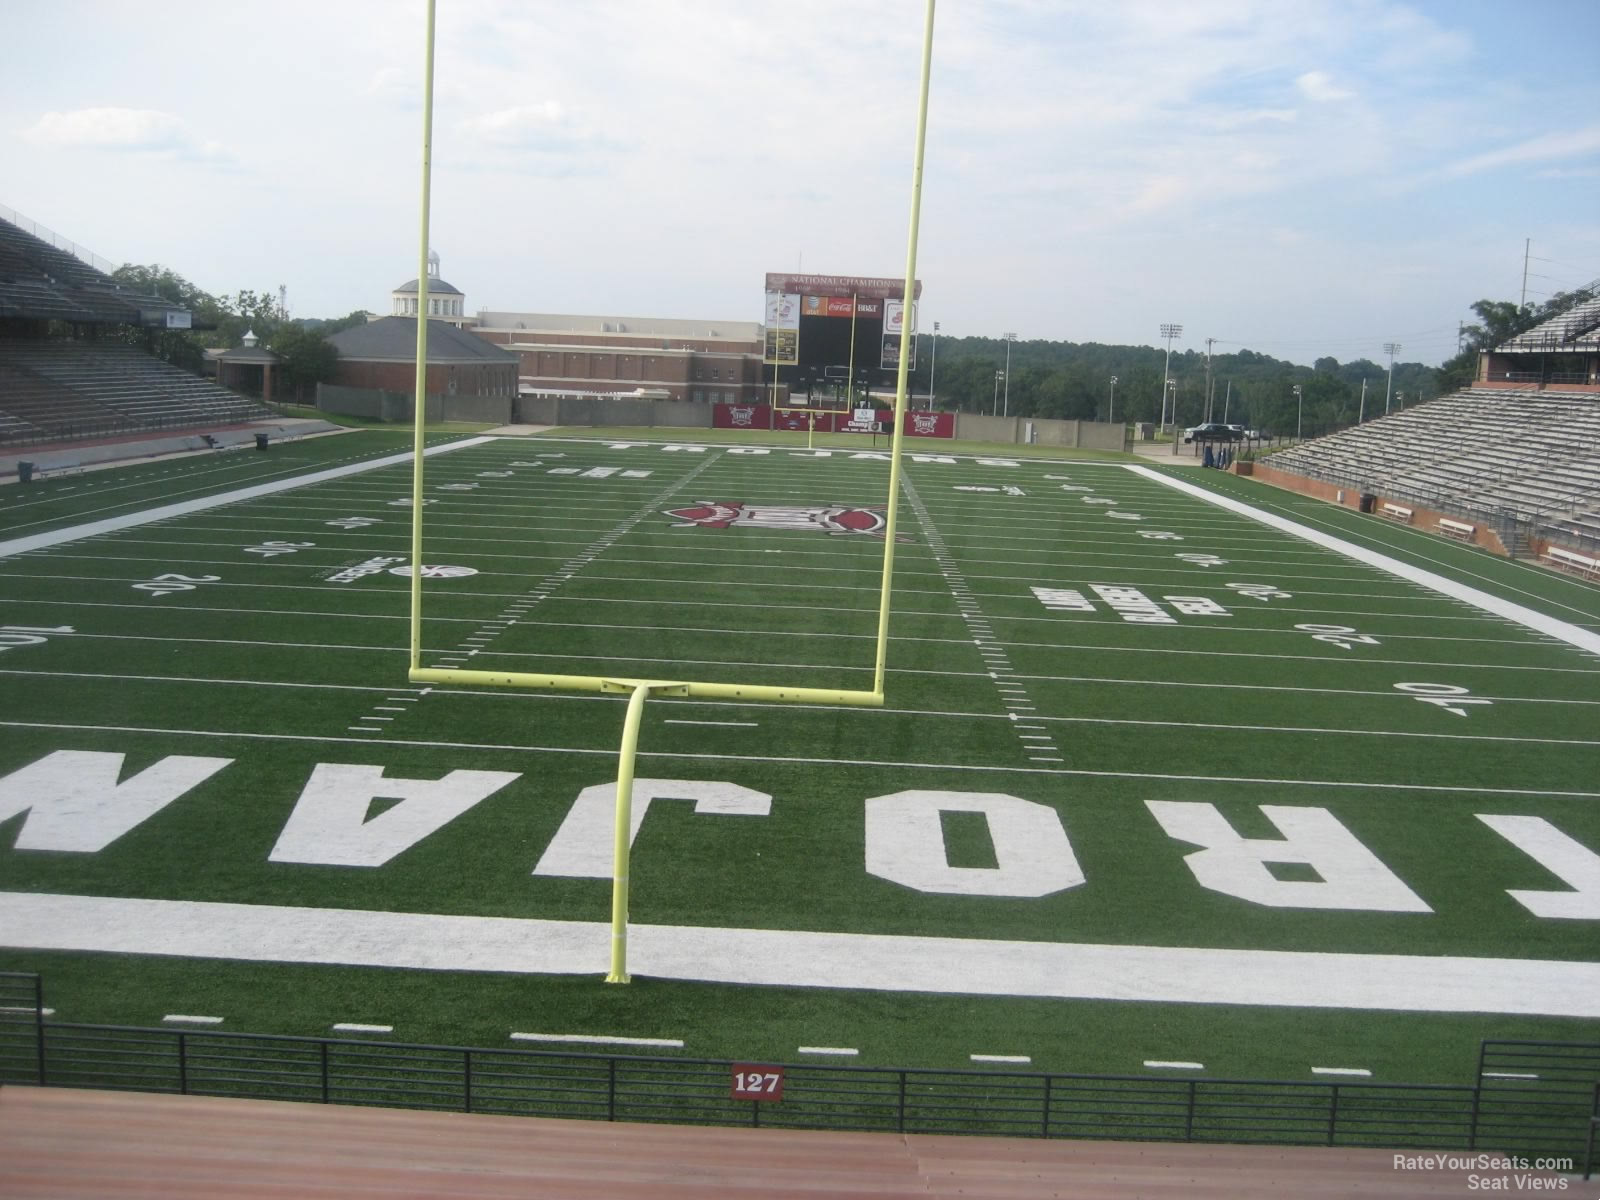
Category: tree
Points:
column 156, row 280
column 181, row 348
column 306, row 358
column 337, row 324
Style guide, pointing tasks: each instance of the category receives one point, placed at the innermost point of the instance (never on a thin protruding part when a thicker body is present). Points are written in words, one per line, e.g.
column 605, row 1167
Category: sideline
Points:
column 38, row 541
column 1495, row 605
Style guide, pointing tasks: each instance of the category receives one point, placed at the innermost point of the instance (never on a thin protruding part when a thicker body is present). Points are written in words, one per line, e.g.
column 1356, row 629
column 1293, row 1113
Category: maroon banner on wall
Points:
column 741, row 416
column 930, row 424
column 920, row 423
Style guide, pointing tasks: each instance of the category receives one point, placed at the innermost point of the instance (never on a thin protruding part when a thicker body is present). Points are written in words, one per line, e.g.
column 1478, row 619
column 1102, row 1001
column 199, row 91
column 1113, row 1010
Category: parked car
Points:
column 1214, row 431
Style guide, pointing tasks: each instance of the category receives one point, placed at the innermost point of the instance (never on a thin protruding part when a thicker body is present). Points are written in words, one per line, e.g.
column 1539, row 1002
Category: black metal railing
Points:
column 1538, row 1097
column 1532, row 1098
column 1594, row 1127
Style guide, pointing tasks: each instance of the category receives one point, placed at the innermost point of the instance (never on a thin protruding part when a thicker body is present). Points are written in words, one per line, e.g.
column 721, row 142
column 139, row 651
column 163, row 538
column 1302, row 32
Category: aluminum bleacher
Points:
column 1528, row 458
column 65, row 390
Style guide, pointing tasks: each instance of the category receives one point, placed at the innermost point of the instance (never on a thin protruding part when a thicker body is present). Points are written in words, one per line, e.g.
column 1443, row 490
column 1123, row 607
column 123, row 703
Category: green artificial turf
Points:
column 271, row 661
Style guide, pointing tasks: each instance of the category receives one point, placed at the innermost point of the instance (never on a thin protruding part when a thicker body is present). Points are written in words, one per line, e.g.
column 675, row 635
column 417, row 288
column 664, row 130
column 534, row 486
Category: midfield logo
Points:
column 716, row 514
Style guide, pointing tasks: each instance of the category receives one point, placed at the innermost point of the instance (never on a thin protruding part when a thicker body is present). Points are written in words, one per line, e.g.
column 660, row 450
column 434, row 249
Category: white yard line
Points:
column 1025, row 731
column 1520, row 614
column 793, row 958
column 755, row 634
column 599, row 1039
column 37, row 541
column 487, row 631
column 889, row 764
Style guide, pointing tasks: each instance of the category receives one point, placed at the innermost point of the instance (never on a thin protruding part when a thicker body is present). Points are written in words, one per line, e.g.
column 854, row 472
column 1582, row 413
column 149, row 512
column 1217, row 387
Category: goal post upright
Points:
column 640, row 690
column 907, row 319
column 419, row 398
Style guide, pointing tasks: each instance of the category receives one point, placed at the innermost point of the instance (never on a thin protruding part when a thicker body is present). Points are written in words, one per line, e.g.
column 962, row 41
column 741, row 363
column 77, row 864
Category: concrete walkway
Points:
column 1159, row 454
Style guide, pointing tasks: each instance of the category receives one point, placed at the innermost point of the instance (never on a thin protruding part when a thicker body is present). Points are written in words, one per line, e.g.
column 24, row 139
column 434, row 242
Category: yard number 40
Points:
column 1447, row 696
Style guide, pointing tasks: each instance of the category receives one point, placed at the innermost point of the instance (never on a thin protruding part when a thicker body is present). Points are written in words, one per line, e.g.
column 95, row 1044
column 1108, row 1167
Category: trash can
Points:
column 261, row 441
column 1368, row 502
column 25, row 472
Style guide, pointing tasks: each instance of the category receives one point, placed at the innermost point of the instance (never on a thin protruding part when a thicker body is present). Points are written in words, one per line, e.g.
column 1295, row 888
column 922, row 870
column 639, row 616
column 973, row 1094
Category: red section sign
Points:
column 752, row 1081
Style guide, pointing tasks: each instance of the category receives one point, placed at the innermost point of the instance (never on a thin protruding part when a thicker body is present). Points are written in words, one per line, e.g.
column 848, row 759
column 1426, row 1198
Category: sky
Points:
column 1303, row 178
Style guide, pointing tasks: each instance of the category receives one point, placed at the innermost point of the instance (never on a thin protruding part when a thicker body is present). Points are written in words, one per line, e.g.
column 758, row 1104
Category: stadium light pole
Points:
column 1111, row 412
column 1361, row 413
column 1391, row 348
column 995, row 410
column 1010, row 337
column 1169, row 332
column 933, row 365
column 1300, row 411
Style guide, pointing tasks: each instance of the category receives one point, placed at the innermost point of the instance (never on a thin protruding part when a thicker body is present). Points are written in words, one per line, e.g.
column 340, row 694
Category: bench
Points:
column 1571, row 560
column 70, row 468
column 1457, row 529
column 1395, row 512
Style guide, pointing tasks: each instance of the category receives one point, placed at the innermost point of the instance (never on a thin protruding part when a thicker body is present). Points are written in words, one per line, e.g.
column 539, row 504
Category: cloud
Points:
column 1576, row 143
column 1319, row 86
column 545, row 138
column 133, row 130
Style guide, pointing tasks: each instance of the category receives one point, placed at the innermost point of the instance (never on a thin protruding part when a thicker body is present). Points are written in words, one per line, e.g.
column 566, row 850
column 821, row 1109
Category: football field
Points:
column 1175, row 772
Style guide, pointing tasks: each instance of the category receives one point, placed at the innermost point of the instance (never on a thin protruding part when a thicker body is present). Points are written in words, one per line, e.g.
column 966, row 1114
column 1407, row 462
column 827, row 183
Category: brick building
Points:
column 703, row 361
column 382, row 354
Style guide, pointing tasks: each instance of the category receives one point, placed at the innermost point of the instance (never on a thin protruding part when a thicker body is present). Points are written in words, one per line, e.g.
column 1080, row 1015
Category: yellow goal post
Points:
column 638, row 690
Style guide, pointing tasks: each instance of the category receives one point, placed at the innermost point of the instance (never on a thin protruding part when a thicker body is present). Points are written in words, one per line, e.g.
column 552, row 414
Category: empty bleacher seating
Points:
column 1511, row 458
column 51, row 390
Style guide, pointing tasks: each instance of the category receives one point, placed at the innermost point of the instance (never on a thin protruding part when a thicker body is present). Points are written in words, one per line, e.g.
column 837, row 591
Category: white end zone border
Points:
column 1489, row 603
column 795, row 958
column 38, row 541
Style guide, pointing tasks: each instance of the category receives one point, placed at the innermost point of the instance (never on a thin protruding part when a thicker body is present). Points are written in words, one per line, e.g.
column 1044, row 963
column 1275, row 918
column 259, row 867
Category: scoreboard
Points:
column 817, row 325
